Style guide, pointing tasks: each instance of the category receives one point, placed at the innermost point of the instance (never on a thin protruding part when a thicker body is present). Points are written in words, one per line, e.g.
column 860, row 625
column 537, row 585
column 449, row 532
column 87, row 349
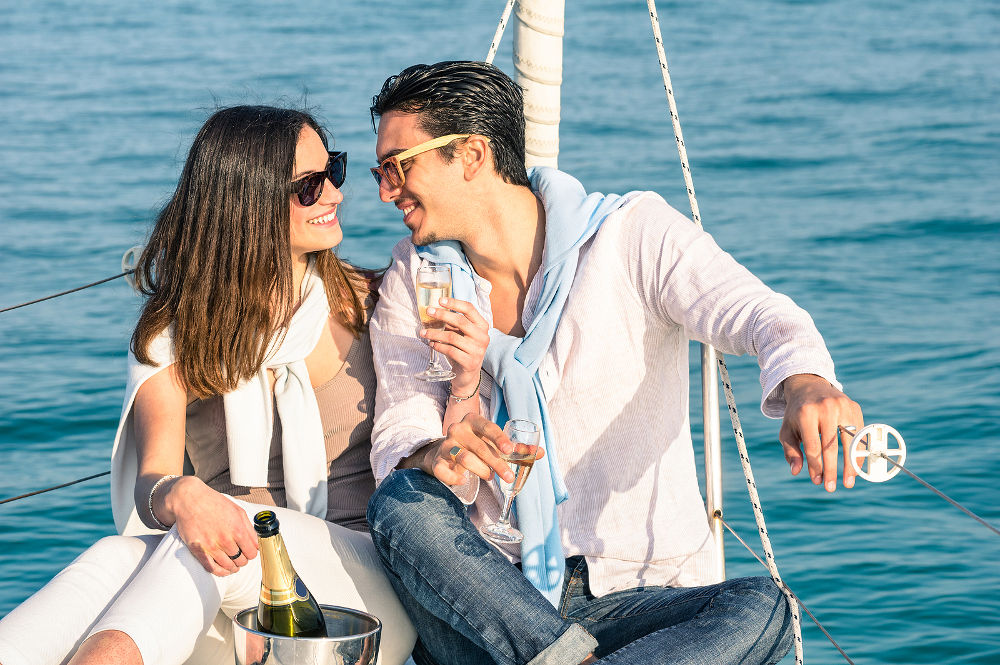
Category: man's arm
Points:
column 685, row 279
column 417, row 423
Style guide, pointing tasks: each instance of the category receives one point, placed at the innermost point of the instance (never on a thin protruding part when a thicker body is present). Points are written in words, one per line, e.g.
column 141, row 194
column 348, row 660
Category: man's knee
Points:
column 405, row 504
column 767, row 611
column 401, row 490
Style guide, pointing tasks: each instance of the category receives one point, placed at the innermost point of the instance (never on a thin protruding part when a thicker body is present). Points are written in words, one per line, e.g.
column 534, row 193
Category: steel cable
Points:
column 784, row 587
column 49, row 489
column 63, row 293
column 941, row 494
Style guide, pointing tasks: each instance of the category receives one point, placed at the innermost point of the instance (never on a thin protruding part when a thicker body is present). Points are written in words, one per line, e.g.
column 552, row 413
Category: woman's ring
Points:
column 239, row 553
column 453, row 453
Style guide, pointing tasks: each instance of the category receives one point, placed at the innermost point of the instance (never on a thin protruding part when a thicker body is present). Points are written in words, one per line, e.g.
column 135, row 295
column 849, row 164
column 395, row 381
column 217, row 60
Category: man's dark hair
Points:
column 462, row 97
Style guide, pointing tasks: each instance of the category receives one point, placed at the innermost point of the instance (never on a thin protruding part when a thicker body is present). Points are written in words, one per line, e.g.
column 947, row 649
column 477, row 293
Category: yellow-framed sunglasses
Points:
column 391, row 168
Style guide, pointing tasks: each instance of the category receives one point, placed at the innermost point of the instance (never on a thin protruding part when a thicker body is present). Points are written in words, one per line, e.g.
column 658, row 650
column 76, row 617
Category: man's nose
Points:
column 387, row 192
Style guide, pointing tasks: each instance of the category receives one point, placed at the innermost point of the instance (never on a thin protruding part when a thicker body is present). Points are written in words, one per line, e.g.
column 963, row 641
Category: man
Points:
column 590, row 301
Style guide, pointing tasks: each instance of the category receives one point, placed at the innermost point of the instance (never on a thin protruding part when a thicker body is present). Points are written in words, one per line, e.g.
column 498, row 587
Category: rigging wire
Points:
column 785, row 587
column 49, row 489
column 941, row 494
column 63, row 293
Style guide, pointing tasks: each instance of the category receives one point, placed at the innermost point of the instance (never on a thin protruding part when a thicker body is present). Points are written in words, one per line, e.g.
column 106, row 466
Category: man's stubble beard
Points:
column 427, row 239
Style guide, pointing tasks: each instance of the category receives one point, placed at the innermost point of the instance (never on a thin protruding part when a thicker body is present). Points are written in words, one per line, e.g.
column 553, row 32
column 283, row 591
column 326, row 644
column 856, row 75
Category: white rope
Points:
column 674, row 118
column 758, row 513
column 730, row 400
column 498, row 35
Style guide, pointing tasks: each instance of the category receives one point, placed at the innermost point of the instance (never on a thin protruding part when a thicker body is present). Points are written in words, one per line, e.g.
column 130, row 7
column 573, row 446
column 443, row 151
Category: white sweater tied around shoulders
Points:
column 249, row 414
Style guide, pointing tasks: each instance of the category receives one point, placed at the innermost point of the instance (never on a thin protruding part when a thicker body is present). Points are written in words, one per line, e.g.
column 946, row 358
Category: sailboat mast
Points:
column 538, row 33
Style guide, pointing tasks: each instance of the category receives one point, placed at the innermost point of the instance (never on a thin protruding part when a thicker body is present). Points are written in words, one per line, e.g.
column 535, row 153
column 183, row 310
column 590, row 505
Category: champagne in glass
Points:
column 429, row 295
column 525, row 436
column 433, row 283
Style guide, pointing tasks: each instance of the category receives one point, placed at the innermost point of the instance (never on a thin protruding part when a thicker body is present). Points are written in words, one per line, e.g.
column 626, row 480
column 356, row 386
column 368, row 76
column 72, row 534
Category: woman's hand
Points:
column 463, row 341
column 216, row 530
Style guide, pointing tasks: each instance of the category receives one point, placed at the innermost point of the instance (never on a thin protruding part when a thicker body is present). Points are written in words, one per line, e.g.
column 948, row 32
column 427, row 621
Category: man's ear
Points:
column 476, row 156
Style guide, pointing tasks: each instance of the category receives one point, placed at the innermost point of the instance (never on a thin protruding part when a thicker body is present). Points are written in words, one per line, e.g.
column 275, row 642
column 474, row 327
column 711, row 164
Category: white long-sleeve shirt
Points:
column 616, row 383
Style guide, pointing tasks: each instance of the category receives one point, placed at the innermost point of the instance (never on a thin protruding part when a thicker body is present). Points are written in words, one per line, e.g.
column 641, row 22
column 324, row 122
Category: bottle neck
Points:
column 277, row 584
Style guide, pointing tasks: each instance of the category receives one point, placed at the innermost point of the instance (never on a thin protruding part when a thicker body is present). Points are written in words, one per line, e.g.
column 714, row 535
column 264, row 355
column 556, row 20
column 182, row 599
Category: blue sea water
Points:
column 847, row 151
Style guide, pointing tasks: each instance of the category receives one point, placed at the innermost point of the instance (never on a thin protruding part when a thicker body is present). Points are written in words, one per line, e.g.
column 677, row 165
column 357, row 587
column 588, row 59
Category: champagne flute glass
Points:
column 433, row 283
column 525, row 436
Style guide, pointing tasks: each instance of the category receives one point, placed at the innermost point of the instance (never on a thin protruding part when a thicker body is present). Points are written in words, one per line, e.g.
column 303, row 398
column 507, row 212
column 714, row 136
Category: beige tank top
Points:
column 346, row 406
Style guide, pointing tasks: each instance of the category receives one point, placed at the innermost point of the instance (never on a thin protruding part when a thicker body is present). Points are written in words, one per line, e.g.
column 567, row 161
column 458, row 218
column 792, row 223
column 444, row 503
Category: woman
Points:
column 250, row 376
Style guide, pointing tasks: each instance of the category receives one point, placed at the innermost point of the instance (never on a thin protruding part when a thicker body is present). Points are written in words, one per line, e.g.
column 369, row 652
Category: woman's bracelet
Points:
column 459, row 400
column 156, row 486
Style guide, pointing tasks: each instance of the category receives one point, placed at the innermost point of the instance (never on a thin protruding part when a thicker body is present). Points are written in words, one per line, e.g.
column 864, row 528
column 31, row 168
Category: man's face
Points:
column 430, row 195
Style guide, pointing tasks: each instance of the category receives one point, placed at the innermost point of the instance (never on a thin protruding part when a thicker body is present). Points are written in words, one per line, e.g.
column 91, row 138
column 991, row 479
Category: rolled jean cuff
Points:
column 570, row 648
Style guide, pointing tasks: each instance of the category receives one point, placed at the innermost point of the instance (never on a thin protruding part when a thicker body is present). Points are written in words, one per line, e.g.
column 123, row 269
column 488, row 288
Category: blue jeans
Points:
column 472, row 606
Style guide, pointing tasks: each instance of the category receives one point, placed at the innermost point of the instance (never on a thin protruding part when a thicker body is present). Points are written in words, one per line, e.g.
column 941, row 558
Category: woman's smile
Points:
column 327, row 219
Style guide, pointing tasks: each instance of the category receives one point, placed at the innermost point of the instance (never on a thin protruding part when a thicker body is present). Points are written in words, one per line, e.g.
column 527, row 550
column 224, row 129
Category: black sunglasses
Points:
column 310, row 188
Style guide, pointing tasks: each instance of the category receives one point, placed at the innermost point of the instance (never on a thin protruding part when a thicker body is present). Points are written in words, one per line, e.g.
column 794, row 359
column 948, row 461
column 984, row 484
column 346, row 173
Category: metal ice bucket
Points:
column 352, row 639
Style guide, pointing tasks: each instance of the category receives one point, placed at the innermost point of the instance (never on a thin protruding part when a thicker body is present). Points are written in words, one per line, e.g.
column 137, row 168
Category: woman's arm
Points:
column 212, row 526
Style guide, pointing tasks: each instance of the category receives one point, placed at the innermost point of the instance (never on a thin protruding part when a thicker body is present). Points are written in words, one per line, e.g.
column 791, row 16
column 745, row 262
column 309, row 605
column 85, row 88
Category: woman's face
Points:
column 314, row 227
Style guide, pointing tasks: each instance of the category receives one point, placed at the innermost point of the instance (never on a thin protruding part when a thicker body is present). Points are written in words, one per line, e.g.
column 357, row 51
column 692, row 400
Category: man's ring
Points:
column 850, row 429
column 453, row 453
column 239, row 553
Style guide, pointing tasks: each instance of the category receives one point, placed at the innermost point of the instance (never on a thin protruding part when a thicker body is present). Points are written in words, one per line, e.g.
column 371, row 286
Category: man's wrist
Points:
column 465, row 387
column 798, row 375
column 420, row 458
column 458, row 394
column 796, row 380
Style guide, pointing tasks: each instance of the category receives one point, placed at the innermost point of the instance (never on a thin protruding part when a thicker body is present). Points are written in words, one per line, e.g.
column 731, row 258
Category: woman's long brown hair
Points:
column 218, row 265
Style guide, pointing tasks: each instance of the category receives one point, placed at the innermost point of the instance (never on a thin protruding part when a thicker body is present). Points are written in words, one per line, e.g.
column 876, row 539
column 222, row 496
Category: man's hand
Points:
column 472, row 445
column 813, row 411
column 463, row 341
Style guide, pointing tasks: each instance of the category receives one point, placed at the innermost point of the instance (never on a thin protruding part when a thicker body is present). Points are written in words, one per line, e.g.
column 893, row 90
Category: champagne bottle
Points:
column 286, row 607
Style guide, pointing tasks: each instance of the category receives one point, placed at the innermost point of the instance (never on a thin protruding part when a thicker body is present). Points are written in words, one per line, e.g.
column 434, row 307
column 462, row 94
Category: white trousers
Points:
column 154, row 590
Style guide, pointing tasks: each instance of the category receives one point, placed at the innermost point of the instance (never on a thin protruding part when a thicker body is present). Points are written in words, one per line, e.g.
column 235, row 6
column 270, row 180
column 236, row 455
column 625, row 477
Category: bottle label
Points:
column 278, row 597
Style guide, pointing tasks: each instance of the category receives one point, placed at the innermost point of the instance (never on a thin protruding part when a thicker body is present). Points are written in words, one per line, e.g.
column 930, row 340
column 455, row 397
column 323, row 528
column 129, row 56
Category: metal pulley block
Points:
column 871, row 447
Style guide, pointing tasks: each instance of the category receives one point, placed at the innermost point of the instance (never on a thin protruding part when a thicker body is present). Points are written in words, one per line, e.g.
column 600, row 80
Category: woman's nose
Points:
column 331, row 194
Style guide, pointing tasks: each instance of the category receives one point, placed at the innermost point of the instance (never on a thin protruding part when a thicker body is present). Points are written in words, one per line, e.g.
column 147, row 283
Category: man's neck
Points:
column 504, row 245
column 508, row 240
